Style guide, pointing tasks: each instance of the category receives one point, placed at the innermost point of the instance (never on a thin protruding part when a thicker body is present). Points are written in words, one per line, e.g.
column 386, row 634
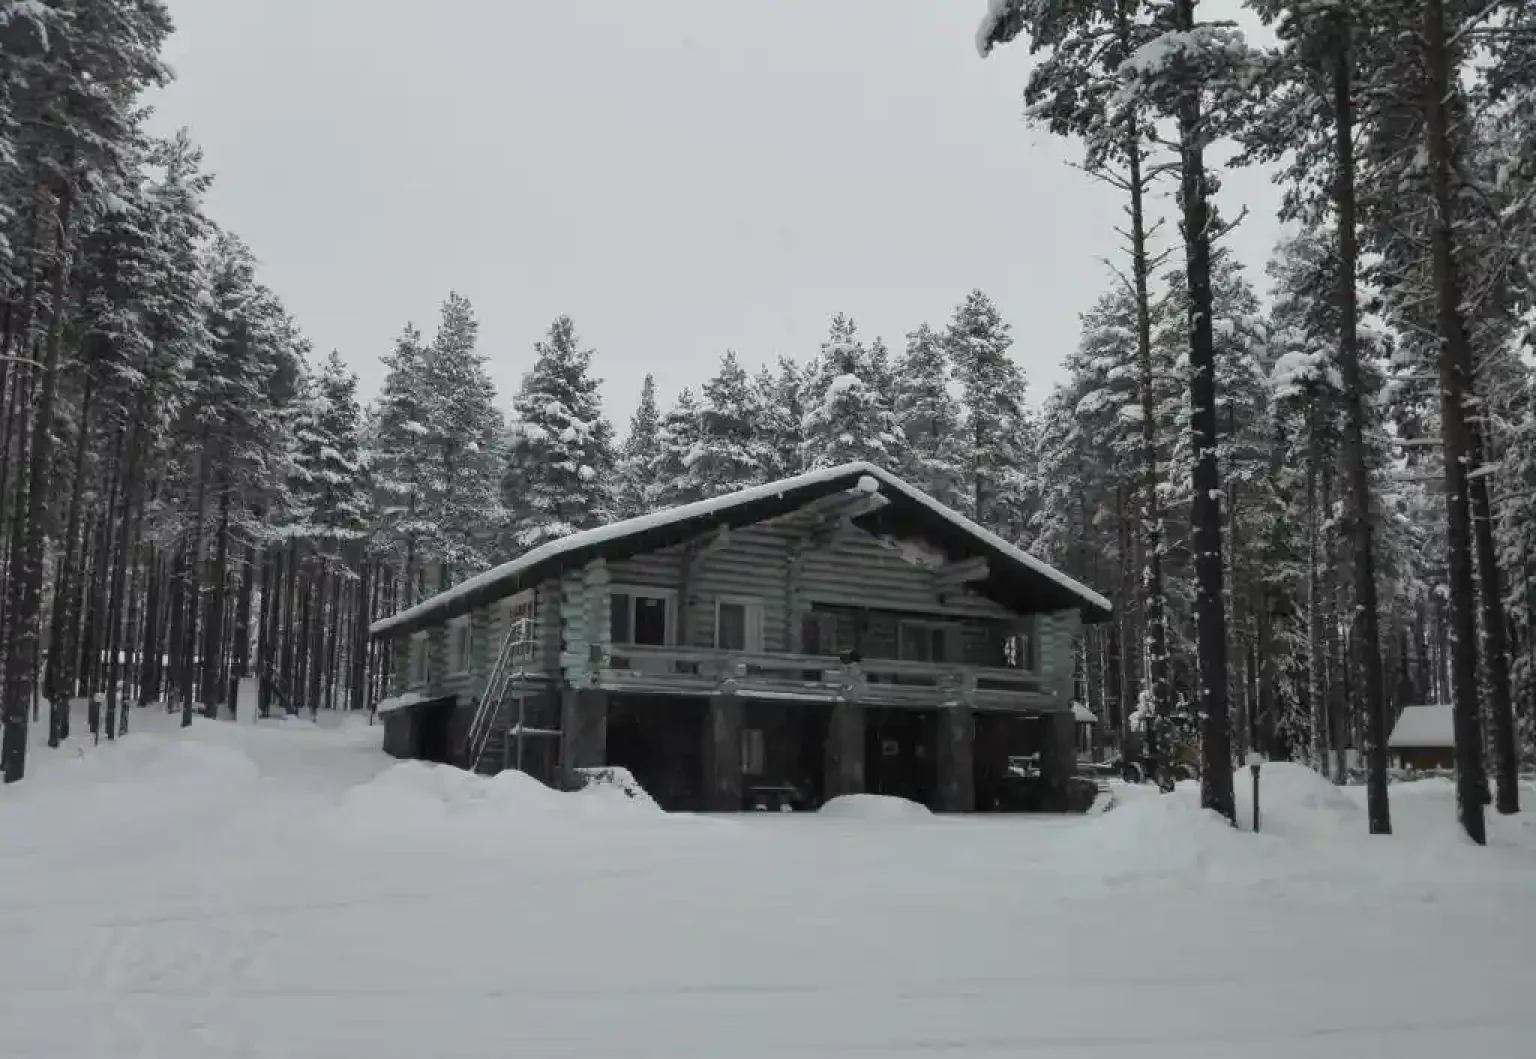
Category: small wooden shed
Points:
column 1424, row 738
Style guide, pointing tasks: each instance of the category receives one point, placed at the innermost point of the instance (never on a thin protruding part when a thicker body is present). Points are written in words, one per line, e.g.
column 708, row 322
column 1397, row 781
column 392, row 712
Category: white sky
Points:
column 680, row 176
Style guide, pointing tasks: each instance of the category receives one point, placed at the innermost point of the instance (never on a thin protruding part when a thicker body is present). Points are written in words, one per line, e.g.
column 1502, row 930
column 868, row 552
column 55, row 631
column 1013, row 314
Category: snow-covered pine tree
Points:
column 847, row 417
column 732, row 452
column 929, row 418
column 560, row 467
column 676, row 440
column 462, row 465
column 1001, row 481
column 398, row 455
column 781, row 398
column 637, row 458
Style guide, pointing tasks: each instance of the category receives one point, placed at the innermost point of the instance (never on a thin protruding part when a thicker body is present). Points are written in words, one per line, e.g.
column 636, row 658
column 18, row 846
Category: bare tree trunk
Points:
column 176, row 610
column 358, row 683
column 194, row 588
column 1315, row 656
column 56, row 674
column 1455, row 364
column 1501, row 707
column 26, row 582
column 120, row 562
column 218, row 591
column 1367, row 630
column 1210, row 610
column 271, row 563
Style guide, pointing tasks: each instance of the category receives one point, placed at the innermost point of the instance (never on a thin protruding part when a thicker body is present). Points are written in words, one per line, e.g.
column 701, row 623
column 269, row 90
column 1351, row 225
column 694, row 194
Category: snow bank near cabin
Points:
column 875, row 808
column 414, row 795
column 1157, row 838
column 1296, row 802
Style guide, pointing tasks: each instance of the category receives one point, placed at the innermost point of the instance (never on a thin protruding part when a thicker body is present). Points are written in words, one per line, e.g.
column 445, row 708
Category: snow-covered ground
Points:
column 284, row 890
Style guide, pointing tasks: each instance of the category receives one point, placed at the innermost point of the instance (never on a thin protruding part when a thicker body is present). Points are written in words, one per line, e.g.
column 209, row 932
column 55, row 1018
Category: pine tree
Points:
column 731, row 453
column 847, row 416
column 998, row 431
column 781, row 399
column 929, row 419
column 638, row 457
column 561, row 461
column 676, row 440
column 462, row 464
column 398, row 454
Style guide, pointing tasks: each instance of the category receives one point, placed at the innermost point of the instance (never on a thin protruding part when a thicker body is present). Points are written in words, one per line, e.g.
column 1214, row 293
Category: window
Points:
column 460, row 637
column 739, row 625
column 520, row 625
column 417, row 673
column 1019, row 650
column 754, row 752
column 641, row 617
column 829, row 631
column 926, row 641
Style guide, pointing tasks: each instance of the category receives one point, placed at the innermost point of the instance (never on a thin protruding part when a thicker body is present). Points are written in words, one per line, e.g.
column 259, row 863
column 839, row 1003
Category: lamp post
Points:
column 1255, row 762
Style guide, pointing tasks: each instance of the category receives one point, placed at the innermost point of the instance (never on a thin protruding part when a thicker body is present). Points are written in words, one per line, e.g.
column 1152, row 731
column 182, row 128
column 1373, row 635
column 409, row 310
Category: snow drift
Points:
column 875, row 808
column 1296, row 802
column 415, row 795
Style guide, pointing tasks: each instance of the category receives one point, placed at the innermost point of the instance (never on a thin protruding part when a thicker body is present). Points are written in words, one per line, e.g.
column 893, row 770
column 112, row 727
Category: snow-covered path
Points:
column 287, row 891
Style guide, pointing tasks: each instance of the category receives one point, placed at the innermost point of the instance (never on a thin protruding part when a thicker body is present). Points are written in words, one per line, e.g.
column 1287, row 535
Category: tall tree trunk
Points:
column 1316, row 697
column 194, row 589
column 241, row 637
column 1210, row 611
column 1455, row 363
column 176, row 610
column 271, row 561
column 26, row 583
column 121, row 558
column 358, row 681
column 56, row 674
column 218, row 592
column 1501, row 708
column 1153, row 609
column 1367, row 631
column 149, row 681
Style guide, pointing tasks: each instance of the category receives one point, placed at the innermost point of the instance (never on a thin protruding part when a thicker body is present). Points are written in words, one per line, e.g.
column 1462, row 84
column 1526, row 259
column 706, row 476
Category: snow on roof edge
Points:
column 1018, row 555
column 603, row 534
column 684, row 512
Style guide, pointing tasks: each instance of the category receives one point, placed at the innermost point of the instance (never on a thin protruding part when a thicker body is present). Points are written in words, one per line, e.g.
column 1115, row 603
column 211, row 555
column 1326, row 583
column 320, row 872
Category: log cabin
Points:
column 833, row 633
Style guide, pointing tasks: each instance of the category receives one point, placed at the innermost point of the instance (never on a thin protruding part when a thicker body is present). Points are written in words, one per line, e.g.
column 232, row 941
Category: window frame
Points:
column 1027, row 636
column 952, row 631
column 527, row 602
column 460, row 651
column 420, row 658
column 667, row 595
column 753, row 621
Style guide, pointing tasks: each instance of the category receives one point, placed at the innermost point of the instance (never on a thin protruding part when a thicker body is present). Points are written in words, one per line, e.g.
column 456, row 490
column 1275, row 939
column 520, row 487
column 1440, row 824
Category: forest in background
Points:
column 1319, row 483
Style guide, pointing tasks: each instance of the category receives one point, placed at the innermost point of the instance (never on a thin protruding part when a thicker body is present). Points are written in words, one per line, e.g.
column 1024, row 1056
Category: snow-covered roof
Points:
column 553, row 557
column 1423, row 726
column 399, row 702
column 1083, row 715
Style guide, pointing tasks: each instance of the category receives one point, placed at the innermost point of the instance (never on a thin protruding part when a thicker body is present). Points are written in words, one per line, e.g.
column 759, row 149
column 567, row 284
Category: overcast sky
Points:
column 680, row 176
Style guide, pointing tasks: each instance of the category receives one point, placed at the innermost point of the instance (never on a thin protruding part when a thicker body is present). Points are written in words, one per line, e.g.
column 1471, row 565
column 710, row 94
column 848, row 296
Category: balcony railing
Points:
column 874, row 681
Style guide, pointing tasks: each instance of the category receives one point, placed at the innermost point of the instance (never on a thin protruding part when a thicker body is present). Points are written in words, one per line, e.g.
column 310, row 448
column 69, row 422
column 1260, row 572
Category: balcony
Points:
column 874, row 681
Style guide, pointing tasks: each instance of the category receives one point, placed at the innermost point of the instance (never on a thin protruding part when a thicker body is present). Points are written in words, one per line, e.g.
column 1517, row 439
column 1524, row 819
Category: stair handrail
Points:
column 492, row 697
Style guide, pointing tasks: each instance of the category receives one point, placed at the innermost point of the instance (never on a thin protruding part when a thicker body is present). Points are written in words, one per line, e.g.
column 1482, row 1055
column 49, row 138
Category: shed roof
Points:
column 1423, row 726
column 1019, row 580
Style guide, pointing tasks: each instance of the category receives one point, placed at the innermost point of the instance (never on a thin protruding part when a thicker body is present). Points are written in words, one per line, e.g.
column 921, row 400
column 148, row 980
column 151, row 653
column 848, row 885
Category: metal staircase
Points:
column 508, row 675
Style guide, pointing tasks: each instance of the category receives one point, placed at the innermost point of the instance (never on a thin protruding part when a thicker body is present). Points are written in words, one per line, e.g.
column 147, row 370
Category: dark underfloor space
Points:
column 783, row 754
column 660, row 740
column 1006, row 746
column 900, row 753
